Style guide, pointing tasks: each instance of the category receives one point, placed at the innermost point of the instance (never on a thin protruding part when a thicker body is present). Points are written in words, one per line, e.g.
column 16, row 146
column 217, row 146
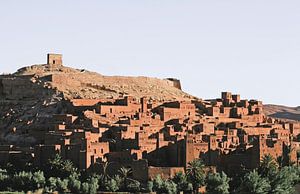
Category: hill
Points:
column 282, row 112
column 74, row 83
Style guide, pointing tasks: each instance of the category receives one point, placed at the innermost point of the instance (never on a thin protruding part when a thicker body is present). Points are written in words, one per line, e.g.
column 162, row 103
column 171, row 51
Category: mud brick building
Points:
column 226, row 133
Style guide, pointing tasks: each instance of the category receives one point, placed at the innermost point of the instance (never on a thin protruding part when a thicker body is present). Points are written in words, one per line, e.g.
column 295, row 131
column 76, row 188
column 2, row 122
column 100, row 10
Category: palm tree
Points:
column 217, row 183
column 180, row 179
column 125, row 173
column 255, row 184
column 57, row 167
column 268, row 166
column 196, row 174
column 104, row 177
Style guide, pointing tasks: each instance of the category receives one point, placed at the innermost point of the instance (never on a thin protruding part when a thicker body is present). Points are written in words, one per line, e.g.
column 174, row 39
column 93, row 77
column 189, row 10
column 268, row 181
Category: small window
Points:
column 53, row 61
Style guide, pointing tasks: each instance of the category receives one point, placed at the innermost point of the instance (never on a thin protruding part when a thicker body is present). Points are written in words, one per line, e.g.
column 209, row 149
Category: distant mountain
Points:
column 283, row 112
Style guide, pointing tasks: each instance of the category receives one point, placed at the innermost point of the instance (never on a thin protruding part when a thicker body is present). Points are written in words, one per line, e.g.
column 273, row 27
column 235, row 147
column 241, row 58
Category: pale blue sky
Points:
column 247, row 47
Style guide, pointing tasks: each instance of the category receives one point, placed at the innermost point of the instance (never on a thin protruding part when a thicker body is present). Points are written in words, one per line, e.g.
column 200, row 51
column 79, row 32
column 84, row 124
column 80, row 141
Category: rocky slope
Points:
column 74, row 83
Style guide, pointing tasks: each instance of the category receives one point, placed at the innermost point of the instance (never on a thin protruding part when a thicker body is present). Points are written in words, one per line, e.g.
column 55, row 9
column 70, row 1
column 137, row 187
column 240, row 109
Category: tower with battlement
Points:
column 54, row 59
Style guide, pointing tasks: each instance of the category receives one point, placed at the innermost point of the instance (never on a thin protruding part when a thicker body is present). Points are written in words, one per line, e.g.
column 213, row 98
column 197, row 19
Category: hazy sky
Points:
column 247, row 47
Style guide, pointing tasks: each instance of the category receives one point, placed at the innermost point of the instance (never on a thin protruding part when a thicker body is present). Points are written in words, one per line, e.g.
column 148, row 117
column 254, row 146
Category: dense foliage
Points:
column 61, row 176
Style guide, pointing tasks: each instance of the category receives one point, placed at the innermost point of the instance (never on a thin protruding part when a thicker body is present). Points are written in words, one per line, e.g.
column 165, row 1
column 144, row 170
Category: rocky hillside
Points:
column 74, row 83
column 283, row 112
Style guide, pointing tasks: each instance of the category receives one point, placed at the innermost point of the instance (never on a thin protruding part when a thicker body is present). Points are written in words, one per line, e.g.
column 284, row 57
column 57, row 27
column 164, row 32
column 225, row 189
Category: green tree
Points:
column 169, row 187
column 149, row 186
column 85, row 188
column 196, row 174
column 284, row 181
column 237, row 177
column 124, row 174
column 22, row 181
column 297, row 172
column 157, row 183
column 164, row 186
column 125, row 183
column 74, row 184
column 268, row 167
column 94, row 186
column 217, row 183
column 133, row 186
column 111, row 185
column 104, row 178
column 28, row 181
column 4, row 180
column 62, row 185
column 38, row 180
column 51, row 185
column 180, row 179
column 90, row 186
column 57, row 167
column 255, row 184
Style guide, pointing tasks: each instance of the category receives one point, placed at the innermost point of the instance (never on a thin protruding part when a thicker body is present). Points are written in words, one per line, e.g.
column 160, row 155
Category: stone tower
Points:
column 54, row 60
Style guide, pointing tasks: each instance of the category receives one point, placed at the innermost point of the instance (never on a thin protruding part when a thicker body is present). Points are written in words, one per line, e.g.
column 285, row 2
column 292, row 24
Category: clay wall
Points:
column 164, row 172
column 268, row 146
column 175, row 113
column 207, row 128
column 174, row 82
column 90, row 102
column 129, row 132
column 144, row 142
column 123, row 157
column 21, row 88
column 239, row 111
column 64, row 79
column 213, row 111
column 117, row 109
column 281, row 134
column 257, row 130
column 295, row 129
column 225, row 112
column 256, row 118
